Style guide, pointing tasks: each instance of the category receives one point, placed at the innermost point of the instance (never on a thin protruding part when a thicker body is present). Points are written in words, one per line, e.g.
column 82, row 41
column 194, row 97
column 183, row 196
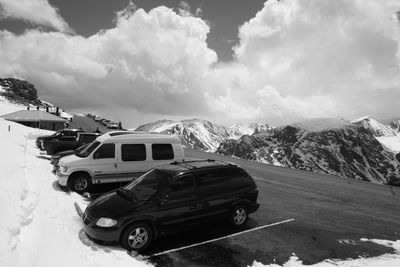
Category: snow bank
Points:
column 38, row 222
column 7, row 107
column 385, row 260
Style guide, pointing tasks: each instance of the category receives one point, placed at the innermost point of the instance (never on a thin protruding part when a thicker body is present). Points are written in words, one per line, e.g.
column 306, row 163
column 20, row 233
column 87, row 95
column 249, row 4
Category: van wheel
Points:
column 80, row 182
column 137, row 237
column 238, row 216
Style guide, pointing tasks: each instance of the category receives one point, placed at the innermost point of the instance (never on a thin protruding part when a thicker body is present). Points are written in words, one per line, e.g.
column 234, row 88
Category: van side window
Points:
column 133, row 152
column 105, row 151
column 213, row 182
column 162, row 151
column 181, row 190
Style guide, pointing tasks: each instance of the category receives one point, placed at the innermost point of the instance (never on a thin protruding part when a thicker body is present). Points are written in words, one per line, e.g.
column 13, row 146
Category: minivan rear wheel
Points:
column 238, row 216
column 80, row 182
column 137, row 237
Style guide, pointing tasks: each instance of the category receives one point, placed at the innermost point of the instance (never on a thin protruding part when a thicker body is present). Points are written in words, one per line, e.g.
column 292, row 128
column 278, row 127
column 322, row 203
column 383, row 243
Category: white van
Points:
column 118, row 156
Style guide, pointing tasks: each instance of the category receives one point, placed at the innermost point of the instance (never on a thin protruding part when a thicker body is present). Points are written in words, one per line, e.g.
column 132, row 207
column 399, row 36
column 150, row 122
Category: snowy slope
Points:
column 329, row 146
column 202, row 134
column 387, row 135
column 377, row 128
column 39, row 225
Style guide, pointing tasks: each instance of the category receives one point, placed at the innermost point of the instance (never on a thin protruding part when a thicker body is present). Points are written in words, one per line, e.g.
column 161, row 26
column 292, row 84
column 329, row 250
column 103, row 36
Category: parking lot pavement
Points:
column 326, row 209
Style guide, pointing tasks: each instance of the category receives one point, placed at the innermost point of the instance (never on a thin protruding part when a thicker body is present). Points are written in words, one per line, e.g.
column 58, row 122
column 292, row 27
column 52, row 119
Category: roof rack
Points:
column 186, row 163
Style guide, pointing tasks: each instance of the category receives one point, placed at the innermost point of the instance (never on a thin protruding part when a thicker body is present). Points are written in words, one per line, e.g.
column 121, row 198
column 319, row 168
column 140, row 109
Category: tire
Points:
column 80, row 182
column 238, row 216
column 137, row 237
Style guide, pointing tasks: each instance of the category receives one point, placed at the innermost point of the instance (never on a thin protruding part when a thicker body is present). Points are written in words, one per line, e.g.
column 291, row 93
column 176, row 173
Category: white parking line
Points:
column 220, row 238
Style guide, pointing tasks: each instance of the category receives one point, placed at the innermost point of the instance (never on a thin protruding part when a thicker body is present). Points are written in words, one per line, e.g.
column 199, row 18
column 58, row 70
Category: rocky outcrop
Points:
column 19, row 91
column 347, row 150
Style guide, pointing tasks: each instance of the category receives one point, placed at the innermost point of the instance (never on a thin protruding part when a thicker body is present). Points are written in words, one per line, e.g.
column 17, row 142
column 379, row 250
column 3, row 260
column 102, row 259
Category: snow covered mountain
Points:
column 202, row 134
column 328, row 146
column 378, row 129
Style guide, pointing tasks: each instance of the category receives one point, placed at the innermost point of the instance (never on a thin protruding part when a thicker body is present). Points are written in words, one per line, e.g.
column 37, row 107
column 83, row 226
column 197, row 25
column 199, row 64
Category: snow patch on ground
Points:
column 39, row 224
column 385, row 260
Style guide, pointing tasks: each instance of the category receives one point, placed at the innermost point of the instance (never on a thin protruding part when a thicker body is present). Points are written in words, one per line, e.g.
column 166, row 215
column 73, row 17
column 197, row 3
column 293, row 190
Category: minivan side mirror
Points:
column 163, row 199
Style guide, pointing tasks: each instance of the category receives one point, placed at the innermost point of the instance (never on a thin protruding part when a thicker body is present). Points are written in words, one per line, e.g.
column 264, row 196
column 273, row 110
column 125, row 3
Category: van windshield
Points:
column 87, row 150
column 148, row 184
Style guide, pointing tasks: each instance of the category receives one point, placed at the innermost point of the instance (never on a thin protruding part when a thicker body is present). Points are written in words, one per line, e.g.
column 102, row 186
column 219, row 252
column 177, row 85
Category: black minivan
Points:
column 172, row 198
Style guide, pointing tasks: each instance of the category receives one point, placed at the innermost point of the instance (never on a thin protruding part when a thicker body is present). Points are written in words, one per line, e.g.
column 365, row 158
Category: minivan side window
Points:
column 133, row 152
column 105, row 151
column 162, row 151
column 213, row 182
column 181, row 190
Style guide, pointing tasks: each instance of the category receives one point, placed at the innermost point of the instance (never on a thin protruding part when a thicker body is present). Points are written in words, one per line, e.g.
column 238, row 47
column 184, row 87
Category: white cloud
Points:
column 295, row 59
column 38, row 12
column 149, row 63
column 342, row 52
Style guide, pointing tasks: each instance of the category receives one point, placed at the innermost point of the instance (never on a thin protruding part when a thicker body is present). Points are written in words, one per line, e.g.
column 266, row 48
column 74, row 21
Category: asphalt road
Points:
column 328, row 211
column 330, row 215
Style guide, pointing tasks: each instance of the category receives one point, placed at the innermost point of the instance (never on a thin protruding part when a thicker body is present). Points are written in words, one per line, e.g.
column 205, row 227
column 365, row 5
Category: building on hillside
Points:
column 37, row 119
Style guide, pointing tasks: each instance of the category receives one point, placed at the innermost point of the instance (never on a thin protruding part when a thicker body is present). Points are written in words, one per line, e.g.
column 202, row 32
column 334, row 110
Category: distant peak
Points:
column 320, row 124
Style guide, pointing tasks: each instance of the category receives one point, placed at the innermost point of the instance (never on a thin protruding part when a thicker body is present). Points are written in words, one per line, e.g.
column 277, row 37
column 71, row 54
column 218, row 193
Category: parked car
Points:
column 72, row 142
column 104, row 121
column 55, row 158
column 113, row 125
column 65, row 134
column 172, row 198
column 97, row 118
column 117, row 156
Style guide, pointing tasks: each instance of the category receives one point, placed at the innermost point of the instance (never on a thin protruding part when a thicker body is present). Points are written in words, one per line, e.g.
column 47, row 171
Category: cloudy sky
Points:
column 225, row 61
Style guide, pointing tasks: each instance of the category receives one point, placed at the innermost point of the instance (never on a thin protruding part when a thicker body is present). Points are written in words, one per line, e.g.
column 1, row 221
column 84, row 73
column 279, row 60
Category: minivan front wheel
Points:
column 80, row 183
column 137, row 237
column 238, row 216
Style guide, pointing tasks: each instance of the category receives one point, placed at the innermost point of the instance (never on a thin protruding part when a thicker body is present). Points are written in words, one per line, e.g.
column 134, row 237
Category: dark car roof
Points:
column 179, row 167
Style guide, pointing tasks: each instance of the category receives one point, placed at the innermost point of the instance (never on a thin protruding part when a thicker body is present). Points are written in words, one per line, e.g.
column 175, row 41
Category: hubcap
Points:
column 239, row 217
column 80, row 183
column 138, row 237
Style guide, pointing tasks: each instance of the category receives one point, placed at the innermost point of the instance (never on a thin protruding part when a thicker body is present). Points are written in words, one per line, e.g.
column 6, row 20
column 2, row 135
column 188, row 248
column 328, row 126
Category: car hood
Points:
column 65, row 153
column 47, row 137
column 111, row 205
column 73, row 160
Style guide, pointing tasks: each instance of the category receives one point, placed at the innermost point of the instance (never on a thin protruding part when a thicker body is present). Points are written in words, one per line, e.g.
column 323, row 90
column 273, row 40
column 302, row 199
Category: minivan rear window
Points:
column 162, row 151
column 133, row 152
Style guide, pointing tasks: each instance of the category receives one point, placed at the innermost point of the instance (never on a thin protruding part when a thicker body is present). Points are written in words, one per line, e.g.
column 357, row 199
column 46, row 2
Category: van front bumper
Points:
column 62, row 178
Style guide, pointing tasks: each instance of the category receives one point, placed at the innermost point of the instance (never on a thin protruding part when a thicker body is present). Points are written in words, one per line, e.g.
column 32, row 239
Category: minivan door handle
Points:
column 193, row 206
column 204, row 204
column 115, row 165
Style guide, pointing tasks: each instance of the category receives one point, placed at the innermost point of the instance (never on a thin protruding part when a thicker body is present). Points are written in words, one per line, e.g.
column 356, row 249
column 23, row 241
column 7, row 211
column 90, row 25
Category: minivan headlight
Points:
column 106, row 222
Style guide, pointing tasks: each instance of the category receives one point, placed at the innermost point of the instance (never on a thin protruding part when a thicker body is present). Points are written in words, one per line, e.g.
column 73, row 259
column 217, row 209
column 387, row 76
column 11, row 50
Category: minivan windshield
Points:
column 144, row 187
column 88, row 150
